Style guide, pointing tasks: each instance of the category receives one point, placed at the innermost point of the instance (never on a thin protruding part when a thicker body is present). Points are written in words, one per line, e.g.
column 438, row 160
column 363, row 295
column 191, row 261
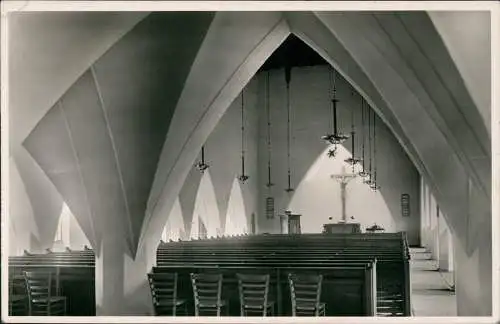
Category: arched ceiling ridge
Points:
column 467, row 37
column 250, row 45
column 436, row 95
column 445, row 171
column 309, row 28
column 41, row 77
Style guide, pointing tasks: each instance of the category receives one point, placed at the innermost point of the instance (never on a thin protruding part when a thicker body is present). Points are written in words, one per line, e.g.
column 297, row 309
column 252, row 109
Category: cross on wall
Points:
column 343, row 178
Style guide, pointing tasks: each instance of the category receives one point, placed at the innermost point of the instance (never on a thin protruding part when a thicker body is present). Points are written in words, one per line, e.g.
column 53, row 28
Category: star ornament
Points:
column 332, row 153
column 243, row 178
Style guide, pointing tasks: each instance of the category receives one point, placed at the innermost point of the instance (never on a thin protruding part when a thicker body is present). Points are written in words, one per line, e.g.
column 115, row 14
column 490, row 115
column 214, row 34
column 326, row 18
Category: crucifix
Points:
column 343, row 178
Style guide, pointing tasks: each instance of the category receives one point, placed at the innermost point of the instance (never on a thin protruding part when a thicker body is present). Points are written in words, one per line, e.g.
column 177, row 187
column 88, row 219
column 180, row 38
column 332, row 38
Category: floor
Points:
column 431, row 295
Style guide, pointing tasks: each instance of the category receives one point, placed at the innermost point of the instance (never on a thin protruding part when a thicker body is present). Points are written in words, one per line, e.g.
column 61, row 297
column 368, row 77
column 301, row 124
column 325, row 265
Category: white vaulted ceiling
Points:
column 48, row 52
column 201, row 75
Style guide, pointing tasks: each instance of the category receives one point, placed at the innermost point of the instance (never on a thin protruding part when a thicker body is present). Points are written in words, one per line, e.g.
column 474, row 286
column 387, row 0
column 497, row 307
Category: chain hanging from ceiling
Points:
column 374, row 184
column 363, row 172
column 353, row 160
column 369, row 178
column 202, row 165
column 334, row 137
column 243, row 177
column 269, row 183
column 289, row 131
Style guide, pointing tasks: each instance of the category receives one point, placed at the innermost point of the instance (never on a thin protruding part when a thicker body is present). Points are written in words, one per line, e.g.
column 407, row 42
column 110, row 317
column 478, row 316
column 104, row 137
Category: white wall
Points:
column 318, row 197
column 77, row 238
column 310, row 120
column 223, row 194
column 21, row 221
column 174, row 229
column 236, row 222
column 205, row 209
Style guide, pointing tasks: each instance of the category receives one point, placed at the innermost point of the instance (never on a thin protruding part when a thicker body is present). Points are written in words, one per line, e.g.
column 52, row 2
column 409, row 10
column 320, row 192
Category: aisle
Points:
column 430, row 293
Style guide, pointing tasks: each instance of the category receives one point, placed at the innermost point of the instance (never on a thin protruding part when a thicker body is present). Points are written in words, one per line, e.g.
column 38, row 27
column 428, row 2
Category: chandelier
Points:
column 243, row 177
column 269, row 183
column 289, row 135
column 363, row 173
column 202, row 165
column 374, row 184
column 352, row 160
column 334, row 137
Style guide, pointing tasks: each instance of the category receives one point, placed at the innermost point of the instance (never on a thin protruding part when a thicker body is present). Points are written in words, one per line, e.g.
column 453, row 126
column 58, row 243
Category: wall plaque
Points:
column 405, row 205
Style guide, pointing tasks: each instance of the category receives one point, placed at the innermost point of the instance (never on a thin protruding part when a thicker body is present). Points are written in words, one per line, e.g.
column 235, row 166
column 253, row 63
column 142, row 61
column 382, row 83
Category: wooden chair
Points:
column 254, row 291
column 42, row 302
column 305, row 292
column 164, row 293
column 207, row 290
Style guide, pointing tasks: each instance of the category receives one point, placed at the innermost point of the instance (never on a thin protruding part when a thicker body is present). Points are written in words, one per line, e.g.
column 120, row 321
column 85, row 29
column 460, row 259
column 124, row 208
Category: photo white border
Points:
column 33, row 5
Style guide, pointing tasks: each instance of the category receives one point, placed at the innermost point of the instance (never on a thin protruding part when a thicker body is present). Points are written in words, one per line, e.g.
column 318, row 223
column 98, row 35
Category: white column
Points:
column 425, row 215
column 445, row 246
column 120, row 280
column 434, row 238
column 423, row 219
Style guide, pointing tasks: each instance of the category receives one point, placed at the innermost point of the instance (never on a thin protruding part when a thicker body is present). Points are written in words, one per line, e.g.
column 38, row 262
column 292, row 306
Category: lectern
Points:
column 290, row 223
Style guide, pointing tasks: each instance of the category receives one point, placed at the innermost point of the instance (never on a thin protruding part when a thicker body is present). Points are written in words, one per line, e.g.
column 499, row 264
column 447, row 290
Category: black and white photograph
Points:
column 169, row 163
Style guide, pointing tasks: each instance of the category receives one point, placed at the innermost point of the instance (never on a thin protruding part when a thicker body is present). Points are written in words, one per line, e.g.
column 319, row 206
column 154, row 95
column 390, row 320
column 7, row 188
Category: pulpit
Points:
column 332, row 228
column 290, row 223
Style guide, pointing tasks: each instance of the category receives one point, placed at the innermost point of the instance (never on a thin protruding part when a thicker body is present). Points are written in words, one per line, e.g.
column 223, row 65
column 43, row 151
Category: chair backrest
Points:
column 38, row 284
column 163, row 287
column 206, row 286
column 305, row 288
column 253, row 288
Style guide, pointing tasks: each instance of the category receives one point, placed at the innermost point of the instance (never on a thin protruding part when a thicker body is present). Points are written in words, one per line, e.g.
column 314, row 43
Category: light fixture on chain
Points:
column 363, row 172
column 334, row 137
column 289, row 131
column 243, row 177
column 202, row 165
column 352, row 160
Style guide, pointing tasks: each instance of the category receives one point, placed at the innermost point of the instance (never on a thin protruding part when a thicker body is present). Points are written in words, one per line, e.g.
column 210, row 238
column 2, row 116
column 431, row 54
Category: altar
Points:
column 341, row 227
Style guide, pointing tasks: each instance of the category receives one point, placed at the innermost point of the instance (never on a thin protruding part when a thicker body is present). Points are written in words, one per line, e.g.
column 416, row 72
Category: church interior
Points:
column 296, row 163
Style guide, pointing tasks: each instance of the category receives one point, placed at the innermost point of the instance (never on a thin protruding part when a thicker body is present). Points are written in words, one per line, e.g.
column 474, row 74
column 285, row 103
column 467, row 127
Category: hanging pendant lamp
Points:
column 368, row 179
column 334, row 137
column 269, row 183
column 202, row 165
column 352, row 160
column 287, row 78
column 363, row 172
column 374, row 184
column 243, row 177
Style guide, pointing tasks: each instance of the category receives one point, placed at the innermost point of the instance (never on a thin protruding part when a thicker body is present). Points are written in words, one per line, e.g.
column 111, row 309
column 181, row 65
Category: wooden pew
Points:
column 74, row 274
column 390, row 250
column 349, row 290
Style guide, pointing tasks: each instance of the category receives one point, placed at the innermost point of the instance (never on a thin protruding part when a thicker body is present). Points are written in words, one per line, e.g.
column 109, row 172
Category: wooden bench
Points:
column 74, row 275
column 318, row 250
column 349, row 289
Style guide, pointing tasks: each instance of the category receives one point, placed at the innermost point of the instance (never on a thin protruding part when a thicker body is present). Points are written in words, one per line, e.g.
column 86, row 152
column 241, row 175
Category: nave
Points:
column 289, row 149
column 263, row 275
